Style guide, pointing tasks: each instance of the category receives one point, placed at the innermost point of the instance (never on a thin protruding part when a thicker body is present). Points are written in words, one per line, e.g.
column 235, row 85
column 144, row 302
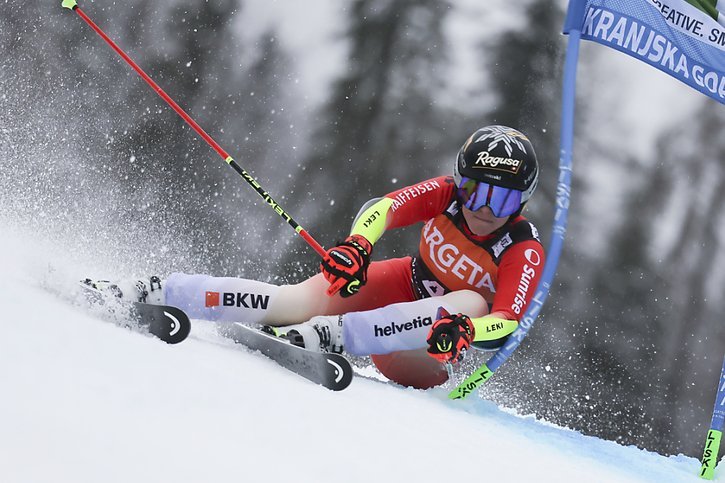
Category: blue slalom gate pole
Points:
column 714, row 435
column 563, row 192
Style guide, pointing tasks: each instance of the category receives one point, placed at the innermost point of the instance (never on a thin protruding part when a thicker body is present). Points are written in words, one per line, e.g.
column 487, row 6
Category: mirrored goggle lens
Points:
column 474, row 195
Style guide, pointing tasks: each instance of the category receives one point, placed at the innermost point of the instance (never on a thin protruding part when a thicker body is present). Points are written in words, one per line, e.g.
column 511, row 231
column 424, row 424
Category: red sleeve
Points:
column 420, row 202
column 518, row 276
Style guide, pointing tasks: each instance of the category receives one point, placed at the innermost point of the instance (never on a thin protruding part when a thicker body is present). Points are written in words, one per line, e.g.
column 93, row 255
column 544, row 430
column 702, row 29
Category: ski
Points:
column 332, row 371
column 170, row 324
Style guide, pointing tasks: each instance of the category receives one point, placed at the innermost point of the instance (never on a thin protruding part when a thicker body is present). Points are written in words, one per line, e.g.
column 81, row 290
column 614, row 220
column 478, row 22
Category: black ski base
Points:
column 332, row 371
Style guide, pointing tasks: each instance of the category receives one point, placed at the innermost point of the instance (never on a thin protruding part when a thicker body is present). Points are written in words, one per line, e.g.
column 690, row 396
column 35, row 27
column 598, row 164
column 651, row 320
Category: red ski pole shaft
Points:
column 72, row 5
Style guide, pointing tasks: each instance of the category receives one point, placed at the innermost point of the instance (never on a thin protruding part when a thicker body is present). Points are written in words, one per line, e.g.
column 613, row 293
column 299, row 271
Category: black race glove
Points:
column 346, row 265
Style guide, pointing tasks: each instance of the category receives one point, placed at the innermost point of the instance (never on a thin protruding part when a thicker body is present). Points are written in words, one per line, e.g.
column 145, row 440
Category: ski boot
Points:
column 131, row 290
column 320, row 334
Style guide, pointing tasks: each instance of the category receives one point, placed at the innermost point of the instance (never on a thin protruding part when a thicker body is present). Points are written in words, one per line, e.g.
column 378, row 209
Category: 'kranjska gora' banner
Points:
column 684, row 38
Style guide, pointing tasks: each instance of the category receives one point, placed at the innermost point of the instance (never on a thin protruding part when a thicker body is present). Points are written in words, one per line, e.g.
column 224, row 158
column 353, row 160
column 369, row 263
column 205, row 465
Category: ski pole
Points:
column 72, row 5
column 558, row 230
column 714, row 435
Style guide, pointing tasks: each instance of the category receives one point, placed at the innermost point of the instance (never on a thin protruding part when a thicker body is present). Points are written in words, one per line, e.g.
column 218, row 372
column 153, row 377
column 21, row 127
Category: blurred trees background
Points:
column 630, row 344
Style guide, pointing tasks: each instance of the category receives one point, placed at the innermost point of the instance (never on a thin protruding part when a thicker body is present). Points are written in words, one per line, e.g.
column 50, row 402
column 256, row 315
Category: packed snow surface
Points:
column 84, row 400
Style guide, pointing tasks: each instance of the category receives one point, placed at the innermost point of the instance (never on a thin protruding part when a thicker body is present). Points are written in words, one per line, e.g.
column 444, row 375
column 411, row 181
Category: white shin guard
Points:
column 220, row 298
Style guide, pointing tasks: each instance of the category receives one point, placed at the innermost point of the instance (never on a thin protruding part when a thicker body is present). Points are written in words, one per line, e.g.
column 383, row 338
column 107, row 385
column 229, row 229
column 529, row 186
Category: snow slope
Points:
column 84, row 400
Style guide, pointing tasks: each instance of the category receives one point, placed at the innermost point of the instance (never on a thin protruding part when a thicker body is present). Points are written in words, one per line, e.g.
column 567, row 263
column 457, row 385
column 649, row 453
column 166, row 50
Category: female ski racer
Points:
column 477, row 266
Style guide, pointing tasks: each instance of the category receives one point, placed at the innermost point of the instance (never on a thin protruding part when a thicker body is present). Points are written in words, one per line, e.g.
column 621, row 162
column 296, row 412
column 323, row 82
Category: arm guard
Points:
column 372, row 220
column 492, row 332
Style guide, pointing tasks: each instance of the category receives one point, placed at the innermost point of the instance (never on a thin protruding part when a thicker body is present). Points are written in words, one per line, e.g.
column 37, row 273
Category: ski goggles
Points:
column 474, row 195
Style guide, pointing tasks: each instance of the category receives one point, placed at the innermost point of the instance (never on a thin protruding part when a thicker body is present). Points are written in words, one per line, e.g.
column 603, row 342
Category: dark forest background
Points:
column 630, row 343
